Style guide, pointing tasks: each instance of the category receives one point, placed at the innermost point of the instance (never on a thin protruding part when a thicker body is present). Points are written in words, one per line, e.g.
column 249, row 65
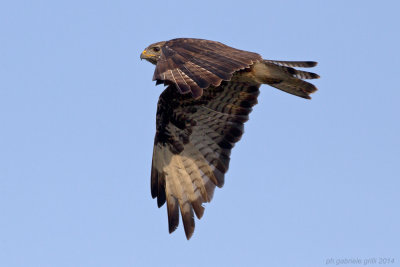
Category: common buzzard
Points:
column 200, row 115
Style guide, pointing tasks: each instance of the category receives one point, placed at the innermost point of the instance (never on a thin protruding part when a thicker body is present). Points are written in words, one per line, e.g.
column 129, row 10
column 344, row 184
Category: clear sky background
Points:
column 309, row 181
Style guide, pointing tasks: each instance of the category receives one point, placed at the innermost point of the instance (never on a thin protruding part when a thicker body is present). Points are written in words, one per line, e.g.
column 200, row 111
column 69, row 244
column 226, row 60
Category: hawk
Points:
column 211, row 90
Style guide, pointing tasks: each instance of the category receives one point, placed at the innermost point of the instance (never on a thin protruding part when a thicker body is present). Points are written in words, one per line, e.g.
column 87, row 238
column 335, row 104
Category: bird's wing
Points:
column 193, row 144
column 194, row 64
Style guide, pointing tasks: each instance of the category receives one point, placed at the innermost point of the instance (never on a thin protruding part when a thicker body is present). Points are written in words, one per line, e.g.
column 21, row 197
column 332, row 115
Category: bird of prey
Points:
column 211, row 90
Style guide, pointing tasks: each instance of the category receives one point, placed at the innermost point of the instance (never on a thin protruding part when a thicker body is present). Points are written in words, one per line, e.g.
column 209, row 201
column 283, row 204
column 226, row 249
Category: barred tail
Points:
column 282, row 75
column 296, row 87
column 300, row 64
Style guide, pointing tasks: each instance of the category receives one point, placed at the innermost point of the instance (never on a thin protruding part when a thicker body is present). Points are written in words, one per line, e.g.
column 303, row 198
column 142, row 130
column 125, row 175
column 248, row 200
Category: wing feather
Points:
column 216, row 68
column 192, row 146
column 203, row 62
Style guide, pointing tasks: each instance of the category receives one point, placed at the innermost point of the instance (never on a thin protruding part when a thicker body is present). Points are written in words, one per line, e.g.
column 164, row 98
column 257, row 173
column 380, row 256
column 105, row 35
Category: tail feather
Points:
column 300, row 64
column 296, row 87
column 293, row 72
column 281, row 75
column 304, row 74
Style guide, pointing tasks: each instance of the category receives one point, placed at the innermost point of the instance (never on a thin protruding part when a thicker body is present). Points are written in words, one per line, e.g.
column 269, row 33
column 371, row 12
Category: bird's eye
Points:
column 156, row 49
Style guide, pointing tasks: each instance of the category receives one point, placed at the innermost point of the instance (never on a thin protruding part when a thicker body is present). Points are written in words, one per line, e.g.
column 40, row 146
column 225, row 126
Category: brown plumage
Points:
column 196, row 131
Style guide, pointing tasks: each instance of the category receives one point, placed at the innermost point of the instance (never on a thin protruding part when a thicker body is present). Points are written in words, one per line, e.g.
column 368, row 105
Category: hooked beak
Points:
column 148, row 56
column 143, row 55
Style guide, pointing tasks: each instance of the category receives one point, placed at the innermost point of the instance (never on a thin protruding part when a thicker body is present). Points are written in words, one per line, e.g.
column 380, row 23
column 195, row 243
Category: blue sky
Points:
column 309, row 181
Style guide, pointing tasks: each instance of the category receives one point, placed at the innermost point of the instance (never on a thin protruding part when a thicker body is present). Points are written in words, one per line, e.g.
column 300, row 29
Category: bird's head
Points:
column 152, row 53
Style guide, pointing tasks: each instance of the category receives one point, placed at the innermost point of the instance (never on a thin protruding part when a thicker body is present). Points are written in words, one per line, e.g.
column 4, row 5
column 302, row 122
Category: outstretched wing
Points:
column 194, row 64
column 193, row 144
